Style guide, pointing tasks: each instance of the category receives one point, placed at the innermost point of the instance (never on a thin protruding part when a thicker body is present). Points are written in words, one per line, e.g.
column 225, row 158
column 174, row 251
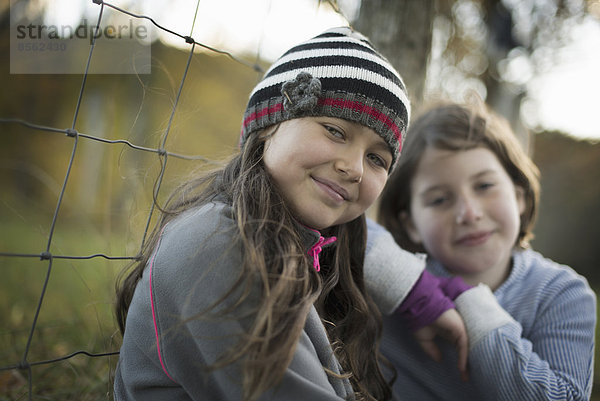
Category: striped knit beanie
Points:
column 336, row 74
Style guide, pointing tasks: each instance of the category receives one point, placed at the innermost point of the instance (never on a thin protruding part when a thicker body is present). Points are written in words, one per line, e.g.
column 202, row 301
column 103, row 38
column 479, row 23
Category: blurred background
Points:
column 536, row 62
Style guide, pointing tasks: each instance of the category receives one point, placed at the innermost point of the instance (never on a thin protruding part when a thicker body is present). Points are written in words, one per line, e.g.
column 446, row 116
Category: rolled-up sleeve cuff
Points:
column 481, row 313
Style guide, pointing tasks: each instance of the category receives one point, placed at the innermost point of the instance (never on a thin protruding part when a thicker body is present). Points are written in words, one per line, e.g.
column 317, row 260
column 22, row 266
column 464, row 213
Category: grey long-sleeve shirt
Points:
column 165, row 349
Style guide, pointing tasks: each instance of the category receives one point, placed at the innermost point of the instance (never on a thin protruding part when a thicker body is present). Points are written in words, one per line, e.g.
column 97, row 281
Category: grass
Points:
column 76, row 313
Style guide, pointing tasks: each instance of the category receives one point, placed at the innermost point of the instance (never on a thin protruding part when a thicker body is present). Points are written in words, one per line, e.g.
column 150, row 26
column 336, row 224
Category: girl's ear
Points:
column 409, row 227
column 520, row 193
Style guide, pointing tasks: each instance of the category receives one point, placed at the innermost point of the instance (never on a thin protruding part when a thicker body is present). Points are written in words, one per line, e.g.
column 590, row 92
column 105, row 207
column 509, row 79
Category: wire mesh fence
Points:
column 19, row 372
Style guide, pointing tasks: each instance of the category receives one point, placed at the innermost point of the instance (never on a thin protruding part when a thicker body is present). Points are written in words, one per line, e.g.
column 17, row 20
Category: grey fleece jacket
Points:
column 165, row 349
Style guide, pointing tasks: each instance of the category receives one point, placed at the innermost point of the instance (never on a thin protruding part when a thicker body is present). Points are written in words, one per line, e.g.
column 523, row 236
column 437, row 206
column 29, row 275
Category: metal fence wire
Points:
column 46, row 256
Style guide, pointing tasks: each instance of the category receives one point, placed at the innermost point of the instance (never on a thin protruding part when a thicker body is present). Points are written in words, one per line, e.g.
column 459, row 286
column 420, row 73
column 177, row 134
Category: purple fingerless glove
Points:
column 424, row 303
column 453, row 286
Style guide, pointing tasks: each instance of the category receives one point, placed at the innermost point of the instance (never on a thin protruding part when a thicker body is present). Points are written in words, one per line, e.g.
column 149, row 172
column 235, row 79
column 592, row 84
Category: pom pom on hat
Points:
column 337, row 74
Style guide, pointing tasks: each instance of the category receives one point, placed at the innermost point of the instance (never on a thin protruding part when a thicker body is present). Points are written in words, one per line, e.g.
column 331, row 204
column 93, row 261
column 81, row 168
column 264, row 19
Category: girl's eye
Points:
column 482, row 186
column 335, row 131
column 436, row 200
column 377, row 160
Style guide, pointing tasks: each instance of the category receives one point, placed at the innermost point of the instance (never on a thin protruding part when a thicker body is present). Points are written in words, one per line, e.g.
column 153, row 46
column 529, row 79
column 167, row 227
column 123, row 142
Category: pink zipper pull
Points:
column 317, row 248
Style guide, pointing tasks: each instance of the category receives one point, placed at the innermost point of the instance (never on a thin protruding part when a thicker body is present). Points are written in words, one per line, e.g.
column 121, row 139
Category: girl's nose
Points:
column 349, row 164
column 468, row 211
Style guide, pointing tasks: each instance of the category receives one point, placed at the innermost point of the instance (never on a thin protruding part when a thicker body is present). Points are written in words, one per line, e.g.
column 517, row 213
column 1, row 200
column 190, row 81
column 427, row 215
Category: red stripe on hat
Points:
column 345, row 104
column 261, row 113
column 362, row 108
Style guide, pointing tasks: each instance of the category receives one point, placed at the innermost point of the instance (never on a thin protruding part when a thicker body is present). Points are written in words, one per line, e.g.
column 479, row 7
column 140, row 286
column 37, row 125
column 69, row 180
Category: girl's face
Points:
column 328, row 170
column 465, row 211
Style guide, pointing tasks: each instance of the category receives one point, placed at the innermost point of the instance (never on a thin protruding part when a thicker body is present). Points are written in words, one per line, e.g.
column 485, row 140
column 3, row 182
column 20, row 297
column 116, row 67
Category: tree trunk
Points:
column 401, row 30
column 501, row 97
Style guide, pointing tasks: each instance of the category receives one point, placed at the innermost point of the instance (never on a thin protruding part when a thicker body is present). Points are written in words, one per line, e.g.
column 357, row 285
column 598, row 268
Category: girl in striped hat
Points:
column 252, row 286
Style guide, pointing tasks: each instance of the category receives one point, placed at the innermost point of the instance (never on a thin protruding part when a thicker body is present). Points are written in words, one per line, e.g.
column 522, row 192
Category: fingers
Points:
column 432, row 350
column 451, row 326
column 456, row 333
column 462, row 347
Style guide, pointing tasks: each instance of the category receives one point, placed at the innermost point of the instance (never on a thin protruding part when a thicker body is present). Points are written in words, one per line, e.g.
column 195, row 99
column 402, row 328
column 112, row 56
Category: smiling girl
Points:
column 467, row 194
column 252, row 286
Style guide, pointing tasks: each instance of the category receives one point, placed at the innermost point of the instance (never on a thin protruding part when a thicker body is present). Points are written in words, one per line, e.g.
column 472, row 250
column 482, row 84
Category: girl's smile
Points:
column 331, row 189
column 329, row 170
column 473, row 239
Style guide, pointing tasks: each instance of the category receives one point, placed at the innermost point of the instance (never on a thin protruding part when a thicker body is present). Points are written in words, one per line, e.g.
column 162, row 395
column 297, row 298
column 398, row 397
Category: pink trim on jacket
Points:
column 162, row 364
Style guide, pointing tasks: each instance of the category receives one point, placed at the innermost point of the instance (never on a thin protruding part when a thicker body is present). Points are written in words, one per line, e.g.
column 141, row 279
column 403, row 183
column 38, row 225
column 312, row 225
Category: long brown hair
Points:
column 273, row 253
column 458, row 127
